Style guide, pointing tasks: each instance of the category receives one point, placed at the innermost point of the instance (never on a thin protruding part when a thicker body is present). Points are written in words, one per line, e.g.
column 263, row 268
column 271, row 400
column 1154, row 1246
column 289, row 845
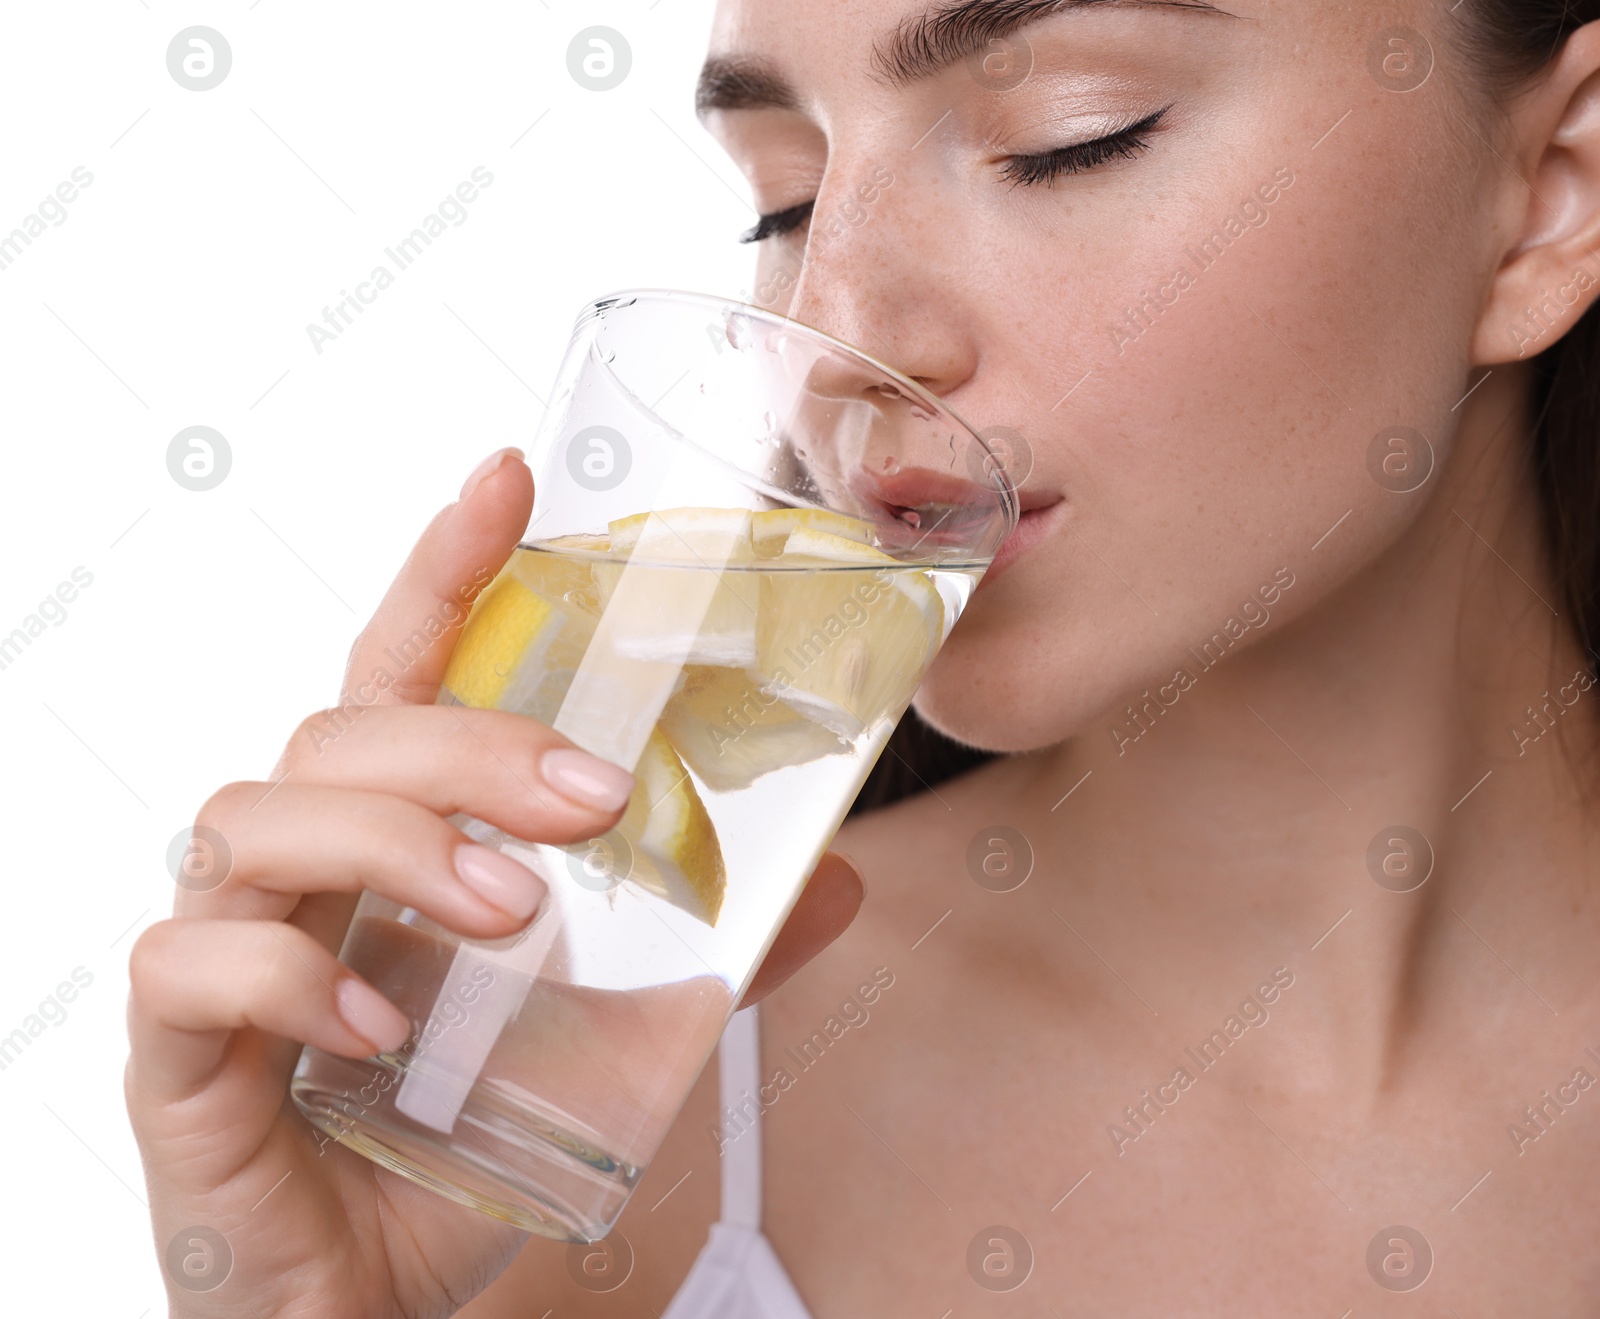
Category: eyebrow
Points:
column 734, row 83
column 920, row 46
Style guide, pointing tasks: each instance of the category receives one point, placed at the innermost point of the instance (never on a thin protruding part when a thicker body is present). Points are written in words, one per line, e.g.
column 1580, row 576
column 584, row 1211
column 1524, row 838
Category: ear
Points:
column 1550, row 275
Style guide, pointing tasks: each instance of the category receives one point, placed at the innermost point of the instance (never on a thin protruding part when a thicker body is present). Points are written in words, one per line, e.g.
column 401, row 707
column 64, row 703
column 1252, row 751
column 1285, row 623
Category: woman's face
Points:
column 1266, row 245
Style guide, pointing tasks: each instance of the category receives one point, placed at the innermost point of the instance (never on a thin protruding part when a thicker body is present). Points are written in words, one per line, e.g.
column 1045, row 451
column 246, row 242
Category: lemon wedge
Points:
column 730, row 729
column 506, row 624
column 770, row 530
column 695, row 536
column 843, row 648
column 691, row 562
column 526, row 636
column 676, row 854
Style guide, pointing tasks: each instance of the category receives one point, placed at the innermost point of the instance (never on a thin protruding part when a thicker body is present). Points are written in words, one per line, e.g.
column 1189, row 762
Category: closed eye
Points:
column 1047, row 166
column 778, row 223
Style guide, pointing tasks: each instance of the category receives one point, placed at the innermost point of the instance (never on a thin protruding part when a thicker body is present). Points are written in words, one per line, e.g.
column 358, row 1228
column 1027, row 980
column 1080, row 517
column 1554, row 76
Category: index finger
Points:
column 401, row 656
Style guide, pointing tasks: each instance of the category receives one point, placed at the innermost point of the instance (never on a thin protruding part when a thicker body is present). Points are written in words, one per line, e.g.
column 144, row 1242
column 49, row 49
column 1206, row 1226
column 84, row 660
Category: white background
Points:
column 177, row 293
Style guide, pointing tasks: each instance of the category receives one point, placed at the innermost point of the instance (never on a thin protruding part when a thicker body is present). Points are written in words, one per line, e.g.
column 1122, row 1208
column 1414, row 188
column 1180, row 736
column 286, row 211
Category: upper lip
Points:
column 917, row 487
column 1029, row 500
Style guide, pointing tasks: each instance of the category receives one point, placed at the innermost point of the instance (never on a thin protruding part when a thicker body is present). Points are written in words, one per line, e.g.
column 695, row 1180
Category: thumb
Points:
column 401, row 656
column 823, row 912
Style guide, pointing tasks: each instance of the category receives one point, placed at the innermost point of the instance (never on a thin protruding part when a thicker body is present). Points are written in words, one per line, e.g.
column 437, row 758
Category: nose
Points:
column 881, row 273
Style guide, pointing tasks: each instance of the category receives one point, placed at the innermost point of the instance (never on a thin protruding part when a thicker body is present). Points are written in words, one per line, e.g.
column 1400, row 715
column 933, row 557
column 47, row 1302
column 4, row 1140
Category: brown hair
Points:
column 1505, row 44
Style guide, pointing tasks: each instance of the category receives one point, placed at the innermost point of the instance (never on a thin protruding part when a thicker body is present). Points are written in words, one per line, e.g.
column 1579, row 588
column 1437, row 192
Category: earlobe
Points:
column 1550, row 274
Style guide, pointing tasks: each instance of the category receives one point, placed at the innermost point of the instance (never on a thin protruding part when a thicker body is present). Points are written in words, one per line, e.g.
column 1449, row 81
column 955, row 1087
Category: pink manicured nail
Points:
column 499, row 881
column 487, row 468
column 371, row 1015
column 586, row 779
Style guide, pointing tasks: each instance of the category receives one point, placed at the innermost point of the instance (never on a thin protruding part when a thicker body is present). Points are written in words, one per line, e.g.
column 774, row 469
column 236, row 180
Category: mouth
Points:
column 934, row 501
column 1042, row 513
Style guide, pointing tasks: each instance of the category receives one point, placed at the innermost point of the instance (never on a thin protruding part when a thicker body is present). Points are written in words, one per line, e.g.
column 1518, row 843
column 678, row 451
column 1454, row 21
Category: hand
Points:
column 225, row 993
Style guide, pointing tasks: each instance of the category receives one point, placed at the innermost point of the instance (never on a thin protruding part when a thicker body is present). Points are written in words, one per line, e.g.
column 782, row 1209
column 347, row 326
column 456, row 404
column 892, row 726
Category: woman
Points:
column 1291, row 662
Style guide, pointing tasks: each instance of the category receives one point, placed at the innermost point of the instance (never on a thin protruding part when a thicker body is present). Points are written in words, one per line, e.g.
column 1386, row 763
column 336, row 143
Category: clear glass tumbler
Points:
column 748, row 543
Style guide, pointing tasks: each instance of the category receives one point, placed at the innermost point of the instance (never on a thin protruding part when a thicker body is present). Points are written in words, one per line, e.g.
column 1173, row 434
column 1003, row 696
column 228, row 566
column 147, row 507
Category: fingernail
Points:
column 499, row 881
column 585, row 779
column 488, row 467
column 370, row 1015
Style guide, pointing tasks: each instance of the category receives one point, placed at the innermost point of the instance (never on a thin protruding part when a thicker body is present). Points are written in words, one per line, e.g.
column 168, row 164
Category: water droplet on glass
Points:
column 891, row 464
column 912, row 518
column 739, row 331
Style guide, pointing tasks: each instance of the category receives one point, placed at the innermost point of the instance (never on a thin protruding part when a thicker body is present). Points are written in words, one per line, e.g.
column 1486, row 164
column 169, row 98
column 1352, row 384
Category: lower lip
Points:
column 1032, row 527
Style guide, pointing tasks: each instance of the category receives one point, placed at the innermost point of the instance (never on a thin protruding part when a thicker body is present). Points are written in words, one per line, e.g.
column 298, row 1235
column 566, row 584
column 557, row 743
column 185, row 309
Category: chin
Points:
column 967, row 698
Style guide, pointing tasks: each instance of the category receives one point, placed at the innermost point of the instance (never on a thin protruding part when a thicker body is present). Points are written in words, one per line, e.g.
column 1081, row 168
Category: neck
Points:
column 1438, row 695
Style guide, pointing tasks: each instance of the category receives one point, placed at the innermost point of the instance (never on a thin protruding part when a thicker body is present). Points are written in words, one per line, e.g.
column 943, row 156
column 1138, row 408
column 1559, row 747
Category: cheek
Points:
column 1220, row 435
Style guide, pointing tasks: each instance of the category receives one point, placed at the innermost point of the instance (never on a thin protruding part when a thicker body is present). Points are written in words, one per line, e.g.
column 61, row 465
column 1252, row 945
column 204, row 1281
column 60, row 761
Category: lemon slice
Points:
column 845, row 649
column 730, row 729
column 770, row 530
column 710, row 537
column 690, row 561
column 507, row 623
column 526, row 636
column 558, row 577
column 676, row 854
column 582, row 541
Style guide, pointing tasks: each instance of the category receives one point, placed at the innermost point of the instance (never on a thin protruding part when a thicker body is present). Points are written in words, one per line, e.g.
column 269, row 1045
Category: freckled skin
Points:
column 1228, row 441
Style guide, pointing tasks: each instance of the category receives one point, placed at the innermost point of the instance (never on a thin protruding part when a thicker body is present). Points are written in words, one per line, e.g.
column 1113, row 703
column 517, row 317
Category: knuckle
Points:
column 224, row 804
column 317, row 732
column 286, row 967
column 150, row 955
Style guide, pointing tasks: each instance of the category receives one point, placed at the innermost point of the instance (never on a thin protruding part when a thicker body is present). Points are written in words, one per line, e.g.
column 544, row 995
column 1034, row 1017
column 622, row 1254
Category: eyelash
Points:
column 1045, row 167
column 778, row 223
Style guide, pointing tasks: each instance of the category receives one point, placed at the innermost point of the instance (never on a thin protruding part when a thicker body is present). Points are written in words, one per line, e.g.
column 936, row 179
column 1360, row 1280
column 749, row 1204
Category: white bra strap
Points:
column 739, row 1068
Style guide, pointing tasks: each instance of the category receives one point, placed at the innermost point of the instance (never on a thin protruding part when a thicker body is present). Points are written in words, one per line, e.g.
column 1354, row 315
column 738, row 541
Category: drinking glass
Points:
column 748, row 542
